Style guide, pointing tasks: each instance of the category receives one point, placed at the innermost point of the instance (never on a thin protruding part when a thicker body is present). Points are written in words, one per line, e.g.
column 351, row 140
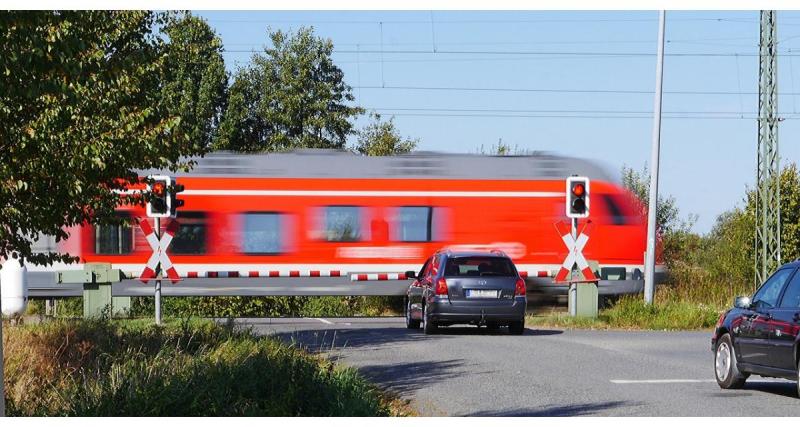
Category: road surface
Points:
column 548, row 372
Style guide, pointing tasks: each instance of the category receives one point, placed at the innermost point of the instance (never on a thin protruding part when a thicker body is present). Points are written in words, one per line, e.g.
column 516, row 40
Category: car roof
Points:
column 794, row 264
column 463, row 254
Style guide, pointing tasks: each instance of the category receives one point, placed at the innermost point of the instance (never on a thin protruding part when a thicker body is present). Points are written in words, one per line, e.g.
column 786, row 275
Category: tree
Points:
column 195, row 82
column 382, row 139
column 667, row 213
column 503, row 149
column 291, row 96
column 81, row 110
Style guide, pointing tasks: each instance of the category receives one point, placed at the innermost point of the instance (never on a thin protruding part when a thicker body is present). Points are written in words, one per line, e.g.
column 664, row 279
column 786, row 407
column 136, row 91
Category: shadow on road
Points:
column 339, row 338
column 328, row 339
column 787, row 388
column 466, row 330
column 405, row 378
column 557, row 411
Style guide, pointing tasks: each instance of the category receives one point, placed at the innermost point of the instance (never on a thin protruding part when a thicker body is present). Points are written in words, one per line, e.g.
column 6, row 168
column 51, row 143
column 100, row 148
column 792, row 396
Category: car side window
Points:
column 791, row 298
column 767, row 295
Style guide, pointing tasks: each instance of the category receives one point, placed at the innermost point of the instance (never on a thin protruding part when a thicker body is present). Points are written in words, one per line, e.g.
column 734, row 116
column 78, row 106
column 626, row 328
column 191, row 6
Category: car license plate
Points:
column 481, row 293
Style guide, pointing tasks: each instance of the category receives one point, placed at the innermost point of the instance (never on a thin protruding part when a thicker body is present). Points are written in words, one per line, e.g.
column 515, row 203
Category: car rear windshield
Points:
column 479, row 266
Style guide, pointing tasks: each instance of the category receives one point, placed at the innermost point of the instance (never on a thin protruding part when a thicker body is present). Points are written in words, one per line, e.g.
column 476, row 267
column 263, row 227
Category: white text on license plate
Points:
column 481, row 293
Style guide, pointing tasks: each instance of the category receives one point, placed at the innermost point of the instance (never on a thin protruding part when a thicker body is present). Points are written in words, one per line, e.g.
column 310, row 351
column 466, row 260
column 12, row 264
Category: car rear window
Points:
column 479, row 266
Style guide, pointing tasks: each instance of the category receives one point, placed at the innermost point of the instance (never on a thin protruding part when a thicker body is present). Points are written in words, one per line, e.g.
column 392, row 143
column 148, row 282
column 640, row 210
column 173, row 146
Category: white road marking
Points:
column 666, row 381
column 327, row 322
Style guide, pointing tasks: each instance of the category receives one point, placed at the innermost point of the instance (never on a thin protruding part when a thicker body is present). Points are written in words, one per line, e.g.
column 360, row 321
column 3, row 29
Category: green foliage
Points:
column 195, row 82
column 189, row 368
column 81, row 108
column 341, row 306
column 382, row 139
column 502, row 149
column 291, row 96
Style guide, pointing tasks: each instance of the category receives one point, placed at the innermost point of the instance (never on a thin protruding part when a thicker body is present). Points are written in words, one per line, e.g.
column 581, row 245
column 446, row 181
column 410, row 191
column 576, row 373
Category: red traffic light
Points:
column 159, row 189
column 578, row 189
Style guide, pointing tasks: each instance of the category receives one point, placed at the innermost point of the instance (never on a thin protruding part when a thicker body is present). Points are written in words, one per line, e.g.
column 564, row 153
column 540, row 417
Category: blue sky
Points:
column 573, row 83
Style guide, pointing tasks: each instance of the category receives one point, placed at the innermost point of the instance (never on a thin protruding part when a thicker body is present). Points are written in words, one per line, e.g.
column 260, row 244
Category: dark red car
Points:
column 759, row 335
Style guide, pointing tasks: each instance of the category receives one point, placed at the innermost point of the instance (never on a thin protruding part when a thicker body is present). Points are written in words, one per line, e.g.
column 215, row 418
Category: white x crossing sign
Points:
column 575, row 254
column 159, row 255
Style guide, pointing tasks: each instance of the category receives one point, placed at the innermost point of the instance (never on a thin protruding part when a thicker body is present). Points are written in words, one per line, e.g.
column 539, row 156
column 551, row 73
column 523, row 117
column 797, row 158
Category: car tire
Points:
column 798, row 378
column 428, row 326
column 411, row 323
column 725, row 370
column 517, row 328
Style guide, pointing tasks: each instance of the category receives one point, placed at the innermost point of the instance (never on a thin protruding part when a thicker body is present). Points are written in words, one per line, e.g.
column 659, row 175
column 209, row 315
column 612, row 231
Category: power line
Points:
column 549, row 111
column 582, row 116
column 561, row 90
column 473, row 21
column 537, row 53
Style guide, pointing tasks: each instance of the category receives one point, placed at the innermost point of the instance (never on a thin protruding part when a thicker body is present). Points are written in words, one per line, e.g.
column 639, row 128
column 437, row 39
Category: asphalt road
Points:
column 469, row 371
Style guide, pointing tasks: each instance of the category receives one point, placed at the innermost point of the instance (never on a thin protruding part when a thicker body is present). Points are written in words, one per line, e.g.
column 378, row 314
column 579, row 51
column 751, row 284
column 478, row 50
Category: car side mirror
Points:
column 742, row 302
column 411, row 274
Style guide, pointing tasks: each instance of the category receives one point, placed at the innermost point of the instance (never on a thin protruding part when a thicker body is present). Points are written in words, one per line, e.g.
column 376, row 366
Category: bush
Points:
column 133, row 368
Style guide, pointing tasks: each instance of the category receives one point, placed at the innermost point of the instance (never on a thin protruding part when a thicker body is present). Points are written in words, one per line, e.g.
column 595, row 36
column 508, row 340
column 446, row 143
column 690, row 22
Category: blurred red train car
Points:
column 322, row 213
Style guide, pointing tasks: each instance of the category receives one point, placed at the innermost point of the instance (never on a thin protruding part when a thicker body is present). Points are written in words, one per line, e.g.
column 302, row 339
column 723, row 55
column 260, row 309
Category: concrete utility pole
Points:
column 768, row 193
column 650, row 261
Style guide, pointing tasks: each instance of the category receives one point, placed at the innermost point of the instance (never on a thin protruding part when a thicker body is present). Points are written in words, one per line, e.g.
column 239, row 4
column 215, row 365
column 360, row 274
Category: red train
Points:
column 328, row 213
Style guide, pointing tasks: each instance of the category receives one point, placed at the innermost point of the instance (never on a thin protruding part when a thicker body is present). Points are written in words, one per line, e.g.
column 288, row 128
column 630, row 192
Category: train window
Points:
column 262, row 233
column 342, row 223
column 191, row 236
column 113, row 239
column 414, row 224
column 615, row 211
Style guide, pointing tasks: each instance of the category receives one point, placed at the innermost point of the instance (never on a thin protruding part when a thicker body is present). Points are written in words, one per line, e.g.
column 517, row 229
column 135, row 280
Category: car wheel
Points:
column 429, row 326
column 517, row 328
column 410, row 323
column 725, row 369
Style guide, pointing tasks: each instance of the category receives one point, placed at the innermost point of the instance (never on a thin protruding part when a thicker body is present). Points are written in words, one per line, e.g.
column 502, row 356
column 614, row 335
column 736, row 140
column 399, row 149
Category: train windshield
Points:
column 479, row 266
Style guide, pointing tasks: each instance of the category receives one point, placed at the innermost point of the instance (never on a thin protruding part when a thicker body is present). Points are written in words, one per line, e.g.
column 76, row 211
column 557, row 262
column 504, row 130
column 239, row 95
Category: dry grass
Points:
column 101, row 368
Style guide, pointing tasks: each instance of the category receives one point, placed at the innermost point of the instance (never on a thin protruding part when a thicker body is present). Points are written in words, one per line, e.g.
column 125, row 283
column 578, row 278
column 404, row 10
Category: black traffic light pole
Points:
column 158, row 276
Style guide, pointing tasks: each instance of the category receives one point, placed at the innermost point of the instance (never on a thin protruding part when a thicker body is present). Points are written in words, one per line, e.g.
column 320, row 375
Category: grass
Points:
column 289, row 306
column 669, row 312
column 197, row 368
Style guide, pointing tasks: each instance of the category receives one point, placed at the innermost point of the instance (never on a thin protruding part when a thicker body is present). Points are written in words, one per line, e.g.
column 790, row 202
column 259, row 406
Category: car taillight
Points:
column 721, row 319
column 519, row 288
column 441, row 287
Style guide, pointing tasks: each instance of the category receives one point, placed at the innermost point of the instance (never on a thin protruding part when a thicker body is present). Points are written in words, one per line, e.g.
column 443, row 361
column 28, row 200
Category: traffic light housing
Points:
column 164, row 202
column 577, row 197
column 175, row 202
column 159, row 204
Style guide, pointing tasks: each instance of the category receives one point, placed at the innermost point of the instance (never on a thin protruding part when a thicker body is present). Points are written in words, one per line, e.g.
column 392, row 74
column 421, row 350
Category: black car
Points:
column 760, row 334
column 479, row 288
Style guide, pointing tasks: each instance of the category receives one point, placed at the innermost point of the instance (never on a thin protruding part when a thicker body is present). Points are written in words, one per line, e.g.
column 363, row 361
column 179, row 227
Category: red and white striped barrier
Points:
column 540, row 273
column 365, row 277
column 159, row 247
column 265, row 273
column 377, row 276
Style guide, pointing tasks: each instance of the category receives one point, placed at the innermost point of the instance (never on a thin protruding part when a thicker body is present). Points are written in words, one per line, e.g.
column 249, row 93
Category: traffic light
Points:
column 577, row 197
column 175, row 202
column 159, row 204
